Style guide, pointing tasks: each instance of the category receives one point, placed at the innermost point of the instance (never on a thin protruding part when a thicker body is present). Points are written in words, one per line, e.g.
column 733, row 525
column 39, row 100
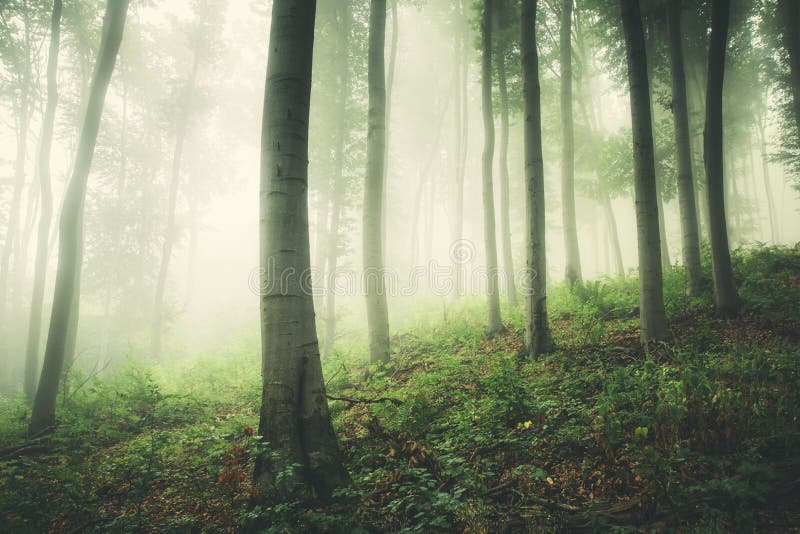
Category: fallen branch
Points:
column 396, row 402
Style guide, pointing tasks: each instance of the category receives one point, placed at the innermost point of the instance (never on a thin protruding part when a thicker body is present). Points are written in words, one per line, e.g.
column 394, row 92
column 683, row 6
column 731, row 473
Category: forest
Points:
column 400, row 266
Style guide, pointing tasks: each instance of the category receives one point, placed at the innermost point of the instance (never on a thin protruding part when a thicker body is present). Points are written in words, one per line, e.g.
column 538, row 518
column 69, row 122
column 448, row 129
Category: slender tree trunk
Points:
column 172, row 204
column 305, row 462
column 389, row 87
column 377, row 309
column 650, row 48
column 23, row 109
column 40, row 269
column 489, row 233
column 505, row 215
column 461, row 132
column 537, row 331
column 773, row 223
column 651, row 306
column 573, row 255
column 339, row 186
column 680, row 115
column 790, row 13
column 70, row 242
column 725, row 296
column 613, row 234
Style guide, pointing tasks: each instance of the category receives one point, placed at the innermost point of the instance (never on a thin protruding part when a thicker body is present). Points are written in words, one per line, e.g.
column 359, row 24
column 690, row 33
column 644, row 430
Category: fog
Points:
column 211, row 290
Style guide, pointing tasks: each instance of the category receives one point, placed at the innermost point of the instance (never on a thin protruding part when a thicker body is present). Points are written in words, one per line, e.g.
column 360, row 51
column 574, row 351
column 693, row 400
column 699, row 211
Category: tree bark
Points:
column 652, row 317
column 573, row 255
column 537, row 331
column 505, row 209
column 377, row 309
column 492, row 291
column 70, row 242
column 680, row 116
column 294, row 419
column 725, row 296
column 46, row 214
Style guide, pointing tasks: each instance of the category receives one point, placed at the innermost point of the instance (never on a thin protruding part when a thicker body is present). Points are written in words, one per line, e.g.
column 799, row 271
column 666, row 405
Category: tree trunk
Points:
column 773, row 223
column 505, row 215
column 790, row 13
column 294, row 419
column 389, row 87
column 680, row 116
column 169, row 235
column 40, row 269
column 613, row 234
column 70, row 242
column 653, row 319
column 537, row 332
column 492, row 293
column 725, row 296
column 339, row 184
column 23, row 109
column 573, row 255
column 377, row 309
column 462, row 138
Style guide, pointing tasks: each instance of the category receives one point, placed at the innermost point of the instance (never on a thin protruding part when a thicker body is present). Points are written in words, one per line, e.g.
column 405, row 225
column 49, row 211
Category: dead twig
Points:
column 396, row 402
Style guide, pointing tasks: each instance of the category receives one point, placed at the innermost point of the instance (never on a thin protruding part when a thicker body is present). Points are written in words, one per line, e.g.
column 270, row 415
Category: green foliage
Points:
column 698, row 434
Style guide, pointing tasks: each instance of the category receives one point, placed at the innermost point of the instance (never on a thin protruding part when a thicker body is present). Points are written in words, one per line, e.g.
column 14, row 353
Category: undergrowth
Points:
column 698, row 434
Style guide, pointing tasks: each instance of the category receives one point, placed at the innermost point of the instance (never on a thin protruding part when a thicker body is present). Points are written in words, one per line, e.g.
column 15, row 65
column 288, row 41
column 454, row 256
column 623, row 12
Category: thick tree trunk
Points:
column 725, row 296
column 181, row 130
column 505, row 209
column 70, row 243
column 573, row 255
column 492, row 291
column 537, row 332
column 680, row 115
column 294, row 420
column 652, row 316
column 377, row 309
column 40, row 265
column 790, row 13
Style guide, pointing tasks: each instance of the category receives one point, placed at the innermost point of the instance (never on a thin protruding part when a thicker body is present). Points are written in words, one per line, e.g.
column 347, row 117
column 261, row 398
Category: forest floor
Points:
column 458, row 433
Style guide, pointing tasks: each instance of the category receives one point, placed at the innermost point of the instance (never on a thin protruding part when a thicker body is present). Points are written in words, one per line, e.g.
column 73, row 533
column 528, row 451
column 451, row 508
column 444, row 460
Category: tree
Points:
column 505, row 216
column 790, row 13
column 537, row 331
column 680, row 111
column 492, row 293
column 653, row 321
column 201, row 40
column 46, row 213
column 70, row 249
column 377, row 308
column 344, row 90
column 294, row 418
column 725, row 296
column 573, row 259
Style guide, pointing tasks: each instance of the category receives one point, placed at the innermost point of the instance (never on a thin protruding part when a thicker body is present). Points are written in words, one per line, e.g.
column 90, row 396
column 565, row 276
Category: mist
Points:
column 409, row 219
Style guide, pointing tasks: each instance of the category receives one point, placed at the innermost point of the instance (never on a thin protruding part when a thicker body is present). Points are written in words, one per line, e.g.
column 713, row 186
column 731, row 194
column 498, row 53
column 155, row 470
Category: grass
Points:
column 699, row 434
